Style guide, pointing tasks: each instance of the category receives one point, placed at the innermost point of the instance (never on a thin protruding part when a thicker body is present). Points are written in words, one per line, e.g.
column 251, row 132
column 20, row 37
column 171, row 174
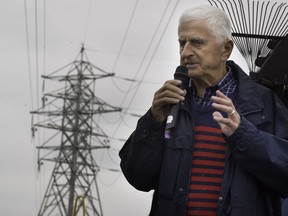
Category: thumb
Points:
column 217, row 116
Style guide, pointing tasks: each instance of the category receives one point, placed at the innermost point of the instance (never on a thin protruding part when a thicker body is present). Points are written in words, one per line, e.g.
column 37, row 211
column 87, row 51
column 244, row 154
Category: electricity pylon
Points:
column 70, row 113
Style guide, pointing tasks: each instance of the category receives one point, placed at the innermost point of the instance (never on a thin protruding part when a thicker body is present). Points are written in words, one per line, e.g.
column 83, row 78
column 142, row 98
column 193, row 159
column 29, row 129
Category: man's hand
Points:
column 168, row 94
column 224, row 104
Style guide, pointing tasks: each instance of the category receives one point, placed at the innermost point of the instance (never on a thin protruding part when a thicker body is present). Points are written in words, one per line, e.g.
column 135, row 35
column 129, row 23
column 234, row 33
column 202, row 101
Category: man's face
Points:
column 200, row 52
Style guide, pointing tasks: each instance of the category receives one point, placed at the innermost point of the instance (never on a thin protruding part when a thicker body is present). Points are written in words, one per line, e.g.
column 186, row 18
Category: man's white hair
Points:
column 216, row 19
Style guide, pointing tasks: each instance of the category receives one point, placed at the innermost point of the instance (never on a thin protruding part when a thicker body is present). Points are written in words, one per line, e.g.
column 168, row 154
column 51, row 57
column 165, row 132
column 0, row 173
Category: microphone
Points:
column 181, row 73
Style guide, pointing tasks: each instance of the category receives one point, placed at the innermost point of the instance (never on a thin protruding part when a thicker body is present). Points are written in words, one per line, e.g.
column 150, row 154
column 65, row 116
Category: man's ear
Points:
column 227, row 49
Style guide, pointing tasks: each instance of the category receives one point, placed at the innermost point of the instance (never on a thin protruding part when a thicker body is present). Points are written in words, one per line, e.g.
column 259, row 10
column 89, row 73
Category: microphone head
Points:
column 181, row 73
column 181, row 69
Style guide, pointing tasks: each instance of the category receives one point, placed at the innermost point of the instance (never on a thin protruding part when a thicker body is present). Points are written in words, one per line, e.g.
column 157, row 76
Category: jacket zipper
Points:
column 183, row 107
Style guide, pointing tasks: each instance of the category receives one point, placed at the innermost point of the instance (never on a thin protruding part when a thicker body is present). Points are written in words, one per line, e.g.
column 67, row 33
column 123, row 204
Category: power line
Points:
column 131, row 80
column 36, row 53
column 44, row 42
column 28, row 54
column 135, row 80
column 124, row 40
column 152, row 56
column 30, row 87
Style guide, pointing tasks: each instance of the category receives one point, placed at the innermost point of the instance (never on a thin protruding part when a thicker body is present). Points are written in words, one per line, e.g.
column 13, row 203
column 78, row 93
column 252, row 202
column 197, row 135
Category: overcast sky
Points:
column 133, row 39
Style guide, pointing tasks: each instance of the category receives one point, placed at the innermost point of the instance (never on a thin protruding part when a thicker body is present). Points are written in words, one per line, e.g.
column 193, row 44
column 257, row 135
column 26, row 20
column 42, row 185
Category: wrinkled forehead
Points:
column 194, row 27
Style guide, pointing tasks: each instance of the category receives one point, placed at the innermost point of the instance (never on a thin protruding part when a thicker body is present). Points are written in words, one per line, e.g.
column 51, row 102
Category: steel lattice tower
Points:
column 69, row 111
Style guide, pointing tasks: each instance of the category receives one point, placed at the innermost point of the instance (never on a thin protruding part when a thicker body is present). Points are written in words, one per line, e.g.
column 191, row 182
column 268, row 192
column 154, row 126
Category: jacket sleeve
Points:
column 263, row 150
column 141, row 155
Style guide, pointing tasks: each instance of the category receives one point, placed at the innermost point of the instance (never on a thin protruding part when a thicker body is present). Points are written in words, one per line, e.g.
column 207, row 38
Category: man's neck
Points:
column 201, row 85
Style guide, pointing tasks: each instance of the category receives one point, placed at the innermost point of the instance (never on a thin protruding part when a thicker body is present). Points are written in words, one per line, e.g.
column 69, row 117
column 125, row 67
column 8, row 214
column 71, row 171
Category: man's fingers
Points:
column 217, row 116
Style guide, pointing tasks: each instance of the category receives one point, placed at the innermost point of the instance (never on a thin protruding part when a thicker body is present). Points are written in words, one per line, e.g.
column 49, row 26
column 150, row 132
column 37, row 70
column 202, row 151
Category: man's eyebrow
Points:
column 191, row 40
column 197, row 39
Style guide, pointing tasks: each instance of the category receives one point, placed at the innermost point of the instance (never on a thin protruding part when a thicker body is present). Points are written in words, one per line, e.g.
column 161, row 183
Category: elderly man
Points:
column 228, row 154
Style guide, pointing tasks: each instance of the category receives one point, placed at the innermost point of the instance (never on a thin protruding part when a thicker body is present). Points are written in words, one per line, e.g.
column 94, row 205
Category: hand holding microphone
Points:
column 166, row 99
column 181, row 74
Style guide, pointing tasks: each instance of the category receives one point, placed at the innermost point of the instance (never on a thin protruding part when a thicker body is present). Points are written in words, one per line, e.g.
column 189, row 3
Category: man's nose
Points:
column 187, row 50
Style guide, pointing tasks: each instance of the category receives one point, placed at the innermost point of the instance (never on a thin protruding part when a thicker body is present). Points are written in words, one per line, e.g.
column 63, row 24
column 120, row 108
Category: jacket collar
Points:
column 248, row 99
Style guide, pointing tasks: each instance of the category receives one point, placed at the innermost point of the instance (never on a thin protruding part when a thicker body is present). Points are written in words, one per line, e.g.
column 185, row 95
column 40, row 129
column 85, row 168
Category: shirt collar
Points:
column 226, row 85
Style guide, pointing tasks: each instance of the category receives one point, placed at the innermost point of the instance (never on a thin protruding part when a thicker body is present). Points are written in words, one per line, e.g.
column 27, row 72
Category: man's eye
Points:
column 182, row 43
column 197, row 42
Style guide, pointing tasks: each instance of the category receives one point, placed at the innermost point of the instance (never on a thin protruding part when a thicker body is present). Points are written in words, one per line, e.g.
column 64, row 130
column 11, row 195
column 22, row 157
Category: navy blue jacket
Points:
column 256, row 169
